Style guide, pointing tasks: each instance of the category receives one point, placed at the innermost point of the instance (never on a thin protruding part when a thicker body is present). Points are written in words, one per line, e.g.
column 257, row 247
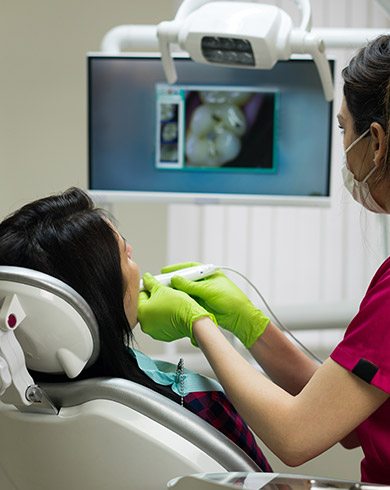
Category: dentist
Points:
column 303, row 409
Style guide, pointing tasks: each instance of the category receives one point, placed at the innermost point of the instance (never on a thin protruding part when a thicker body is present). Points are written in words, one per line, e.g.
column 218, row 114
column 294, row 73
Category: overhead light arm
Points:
column 309, row 43
column 144, row 37
column 125, row 37
column 305, row 9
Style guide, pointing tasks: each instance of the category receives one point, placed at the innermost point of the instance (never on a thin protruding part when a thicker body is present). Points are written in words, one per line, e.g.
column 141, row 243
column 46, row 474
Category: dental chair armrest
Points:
column 160, row 409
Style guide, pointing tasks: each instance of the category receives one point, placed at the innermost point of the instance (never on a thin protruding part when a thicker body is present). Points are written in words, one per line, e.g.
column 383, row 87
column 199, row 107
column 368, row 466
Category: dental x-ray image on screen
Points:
column 215, row 127
column 219, row 134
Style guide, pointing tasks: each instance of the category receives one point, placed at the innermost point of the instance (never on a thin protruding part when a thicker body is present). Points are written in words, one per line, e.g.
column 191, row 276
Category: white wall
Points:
column 43, row 105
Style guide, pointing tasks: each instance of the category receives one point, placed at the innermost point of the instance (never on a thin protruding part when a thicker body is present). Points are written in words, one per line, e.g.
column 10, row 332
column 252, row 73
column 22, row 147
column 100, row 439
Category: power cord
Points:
column 274, row 317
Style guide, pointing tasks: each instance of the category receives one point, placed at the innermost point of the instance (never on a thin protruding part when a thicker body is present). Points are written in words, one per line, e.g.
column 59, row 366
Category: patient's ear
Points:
column 378, row 143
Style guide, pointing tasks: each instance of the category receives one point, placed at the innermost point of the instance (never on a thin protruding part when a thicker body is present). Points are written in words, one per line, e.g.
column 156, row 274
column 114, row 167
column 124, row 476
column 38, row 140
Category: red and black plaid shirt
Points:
column 216, row 409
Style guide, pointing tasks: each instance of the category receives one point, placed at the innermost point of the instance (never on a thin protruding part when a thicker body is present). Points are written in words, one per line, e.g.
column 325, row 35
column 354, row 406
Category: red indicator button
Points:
column 11, row 320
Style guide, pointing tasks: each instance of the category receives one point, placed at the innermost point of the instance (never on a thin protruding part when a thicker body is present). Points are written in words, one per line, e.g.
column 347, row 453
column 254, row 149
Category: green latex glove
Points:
column 167, row 314
column 220, row 296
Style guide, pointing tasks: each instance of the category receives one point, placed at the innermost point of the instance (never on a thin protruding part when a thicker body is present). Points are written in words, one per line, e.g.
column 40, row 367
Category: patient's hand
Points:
column 167, row 314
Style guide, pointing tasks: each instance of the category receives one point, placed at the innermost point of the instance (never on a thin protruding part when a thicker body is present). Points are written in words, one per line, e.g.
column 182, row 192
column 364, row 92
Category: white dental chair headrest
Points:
column 59, row 333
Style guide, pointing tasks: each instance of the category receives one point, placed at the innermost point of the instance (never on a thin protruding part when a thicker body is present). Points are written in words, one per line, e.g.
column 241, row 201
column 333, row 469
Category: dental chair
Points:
column 90, row 434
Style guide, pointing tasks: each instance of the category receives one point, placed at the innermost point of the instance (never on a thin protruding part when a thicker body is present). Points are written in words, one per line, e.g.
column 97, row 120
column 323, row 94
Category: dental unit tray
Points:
column 265, row 481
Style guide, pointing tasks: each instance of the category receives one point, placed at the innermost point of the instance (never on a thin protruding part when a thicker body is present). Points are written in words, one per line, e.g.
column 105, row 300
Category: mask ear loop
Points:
column 357, row 140
column 369, row 174
column 350, row 147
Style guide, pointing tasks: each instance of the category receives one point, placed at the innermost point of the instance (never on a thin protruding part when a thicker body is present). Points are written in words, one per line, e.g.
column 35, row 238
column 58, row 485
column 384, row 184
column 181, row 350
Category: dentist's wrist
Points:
column 206, row 316
column 202, row 327
column 256, row 326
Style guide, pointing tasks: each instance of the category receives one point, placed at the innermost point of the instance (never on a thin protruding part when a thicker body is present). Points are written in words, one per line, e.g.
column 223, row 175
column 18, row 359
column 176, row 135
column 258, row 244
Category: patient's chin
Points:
column 130, row 311
column 132, row 319
column 133, row 324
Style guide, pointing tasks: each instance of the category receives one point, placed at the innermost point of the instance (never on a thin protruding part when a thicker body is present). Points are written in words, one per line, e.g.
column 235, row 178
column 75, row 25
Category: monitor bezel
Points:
column 191, row 197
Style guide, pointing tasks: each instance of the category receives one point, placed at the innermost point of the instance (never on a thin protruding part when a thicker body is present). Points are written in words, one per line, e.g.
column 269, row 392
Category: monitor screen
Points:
column 218, row 135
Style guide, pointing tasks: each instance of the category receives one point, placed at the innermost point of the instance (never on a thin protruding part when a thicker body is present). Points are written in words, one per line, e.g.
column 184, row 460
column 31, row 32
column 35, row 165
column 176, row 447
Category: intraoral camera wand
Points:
column 191, row 273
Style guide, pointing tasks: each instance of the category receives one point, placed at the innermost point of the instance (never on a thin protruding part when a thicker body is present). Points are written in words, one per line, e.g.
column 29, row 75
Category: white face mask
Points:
column 360, row 190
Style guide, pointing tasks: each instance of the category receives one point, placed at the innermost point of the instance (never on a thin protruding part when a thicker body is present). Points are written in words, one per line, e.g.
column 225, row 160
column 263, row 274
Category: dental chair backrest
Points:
column 90, row 434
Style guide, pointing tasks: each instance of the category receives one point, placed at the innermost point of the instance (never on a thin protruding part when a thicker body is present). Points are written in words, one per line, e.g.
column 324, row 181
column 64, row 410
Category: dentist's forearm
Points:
column 296, row 428
column 283, row 362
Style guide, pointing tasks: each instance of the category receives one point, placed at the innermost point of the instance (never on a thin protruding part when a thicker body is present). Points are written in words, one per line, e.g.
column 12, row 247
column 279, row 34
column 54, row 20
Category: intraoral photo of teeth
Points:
column 229, row 129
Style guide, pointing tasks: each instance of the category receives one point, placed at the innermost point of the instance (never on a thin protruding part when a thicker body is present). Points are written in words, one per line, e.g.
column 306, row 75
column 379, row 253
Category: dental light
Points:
column 243, row 34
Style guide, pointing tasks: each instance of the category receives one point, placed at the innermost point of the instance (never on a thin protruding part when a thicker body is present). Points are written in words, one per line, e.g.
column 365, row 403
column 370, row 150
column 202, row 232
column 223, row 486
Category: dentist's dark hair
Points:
column 65, row 236
column 367, row 90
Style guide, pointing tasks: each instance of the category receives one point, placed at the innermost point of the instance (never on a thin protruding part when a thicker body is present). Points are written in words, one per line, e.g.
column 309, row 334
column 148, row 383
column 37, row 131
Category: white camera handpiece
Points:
column 191, row 273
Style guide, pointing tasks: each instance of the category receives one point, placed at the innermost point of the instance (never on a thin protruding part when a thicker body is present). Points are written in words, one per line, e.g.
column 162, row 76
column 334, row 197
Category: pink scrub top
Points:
column 365, row 351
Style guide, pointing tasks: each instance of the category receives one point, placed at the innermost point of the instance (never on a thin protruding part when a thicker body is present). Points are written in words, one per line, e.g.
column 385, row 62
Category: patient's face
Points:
column 131, row 278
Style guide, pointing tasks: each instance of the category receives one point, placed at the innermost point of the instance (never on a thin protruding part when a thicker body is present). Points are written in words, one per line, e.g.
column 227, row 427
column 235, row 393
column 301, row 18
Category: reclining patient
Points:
column 66, row 237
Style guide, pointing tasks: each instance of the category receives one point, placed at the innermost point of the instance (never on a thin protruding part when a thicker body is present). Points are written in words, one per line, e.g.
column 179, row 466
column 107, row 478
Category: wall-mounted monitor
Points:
column 218, row 135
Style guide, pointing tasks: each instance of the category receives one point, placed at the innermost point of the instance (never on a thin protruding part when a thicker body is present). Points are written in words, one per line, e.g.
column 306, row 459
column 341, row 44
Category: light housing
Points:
column 243, row 34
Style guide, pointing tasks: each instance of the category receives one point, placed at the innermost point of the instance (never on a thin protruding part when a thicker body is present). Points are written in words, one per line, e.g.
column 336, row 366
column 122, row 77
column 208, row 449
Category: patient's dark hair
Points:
column 367, row 90
column 65, row 236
